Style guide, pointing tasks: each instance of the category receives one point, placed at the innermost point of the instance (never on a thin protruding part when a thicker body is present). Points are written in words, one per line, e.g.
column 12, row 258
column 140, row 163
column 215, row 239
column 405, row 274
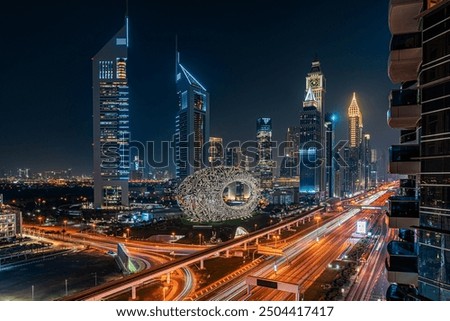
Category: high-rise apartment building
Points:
column 418, row 263
column 111, row 131
column 191, row 123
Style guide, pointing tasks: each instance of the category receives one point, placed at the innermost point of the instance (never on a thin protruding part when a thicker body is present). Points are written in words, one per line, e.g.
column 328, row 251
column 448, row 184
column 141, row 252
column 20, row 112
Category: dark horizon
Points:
column 252, row 57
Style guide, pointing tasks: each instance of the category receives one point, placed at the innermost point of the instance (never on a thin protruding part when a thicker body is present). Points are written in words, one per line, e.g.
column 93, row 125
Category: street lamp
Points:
column 40, row 220
column 256, row 225
column 200, row 238
column 128, row 232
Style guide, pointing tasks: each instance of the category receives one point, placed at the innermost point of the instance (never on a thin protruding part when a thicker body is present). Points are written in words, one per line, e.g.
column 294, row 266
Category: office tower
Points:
column 215, row 150
column 418, row 264
column 310, row 156
column 137, row 169
column 232, row 156
column 355, row 126
column 344, row 169
column 111, row 132
column 289, row 163
column 264, row 167
column 373, row 175
column 329, row 157
column 317, row 82
column 191, row 123
column 366, row 160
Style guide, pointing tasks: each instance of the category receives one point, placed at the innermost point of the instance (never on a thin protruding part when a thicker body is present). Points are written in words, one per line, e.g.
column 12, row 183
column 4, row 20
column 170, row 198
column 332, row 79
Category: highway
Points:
column 303, row 262
column 305, row 258
column 138, row 279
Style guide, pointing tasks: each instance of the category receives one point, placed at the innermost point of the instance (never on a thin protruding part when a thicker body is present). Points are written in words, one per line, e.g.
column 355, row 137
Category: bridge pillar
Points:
column 133, row 293
column 268, row 236
column 227, row 253
column 245, row 246
column 202, row 265
column 296, row 224
column 256, row 241
column 168, row 277
column 279, row 231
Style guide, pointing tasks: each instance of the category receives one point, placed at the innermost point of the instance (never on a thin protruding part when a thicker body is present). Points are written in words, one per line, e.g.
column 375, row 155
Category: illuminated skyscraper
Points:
column 317, row 82
column 191, row 123
column 355, row 124
column 111, row 132
column 264, row 167
column 355, row 127
column 310, row 154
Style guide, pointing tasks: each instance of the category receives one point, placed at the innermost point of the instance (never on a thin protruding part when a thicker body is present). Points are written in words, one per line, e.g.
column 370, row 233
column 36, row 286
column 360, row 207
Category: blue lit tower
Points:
column 310, row 147
column 315, row 80
column 191, row 123
column 111, row 132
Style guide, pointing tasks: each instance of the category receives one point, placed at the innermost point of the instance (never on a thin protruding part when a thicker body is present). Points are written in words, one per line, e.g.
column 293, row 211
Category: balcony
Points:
column 402, row 269
column 397, row 292
column 405, row 57
column 404, row 159
column 407, row 183
column 403, row 212
column 403, row 16
column 408, row 136
column 406, row 235
column 404, row 109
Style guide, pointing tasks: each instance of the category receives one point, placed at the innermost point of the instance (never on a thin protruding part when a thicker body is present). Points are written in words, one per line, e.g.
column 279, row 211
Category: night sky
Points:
column 252, row 56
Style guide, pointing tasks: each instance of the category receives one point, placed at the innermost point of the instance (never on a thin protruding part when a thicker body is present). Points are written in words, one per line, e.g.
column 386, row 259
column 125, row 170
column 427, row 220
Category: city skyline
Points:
column 263, row 76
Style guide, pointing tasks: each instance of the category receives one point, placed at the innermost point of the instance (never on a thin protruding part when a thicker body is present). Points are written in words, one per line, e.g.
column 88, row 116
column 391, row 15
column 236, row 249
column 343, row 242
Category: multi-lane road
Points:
column 307, row 254
column 306, row 258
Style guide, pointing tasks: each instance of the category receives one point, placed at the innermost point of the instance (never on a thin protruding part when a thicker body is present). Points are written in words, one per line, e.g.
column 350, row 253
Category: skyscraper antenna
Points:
column 126, row 21
column 177, row 57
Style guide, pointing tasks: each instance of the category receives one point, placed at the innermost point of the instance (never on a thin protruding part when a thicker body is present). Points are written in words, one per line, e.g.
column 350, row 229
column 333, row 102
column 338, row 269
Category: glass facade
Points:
column 310, row 154
column 191, row 124
column 434, row 232
column 264, row 167
column 111, row 128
